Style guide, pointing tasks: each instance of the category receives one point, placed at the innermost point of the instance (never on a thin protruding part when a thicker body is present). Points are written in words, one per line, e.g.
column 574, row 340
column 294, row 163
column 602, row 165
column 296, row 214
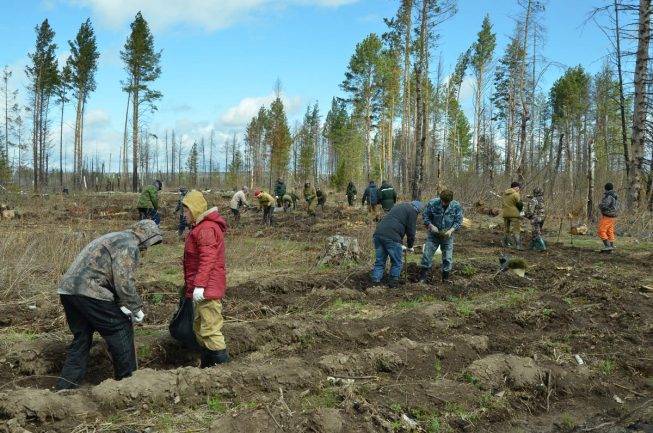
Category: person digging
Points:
column 443, row 216
column 399, row 222
column 98, row 293
column 205, row 276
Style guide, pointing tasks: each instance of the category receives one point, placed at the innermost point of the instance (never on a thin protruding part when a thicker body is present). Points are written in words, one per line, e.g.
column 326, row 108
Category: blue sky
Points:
column 221, row 58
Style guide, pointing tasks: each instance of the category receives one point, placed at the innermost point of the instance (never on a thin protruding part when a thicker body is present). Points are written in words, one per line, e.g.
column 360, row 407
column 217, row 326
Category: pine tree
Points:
column 82, row 65
column 483, row 51
column 279, row 138
column 42, row 73
column 192, row 164
column 362, row 86
column 142, row 65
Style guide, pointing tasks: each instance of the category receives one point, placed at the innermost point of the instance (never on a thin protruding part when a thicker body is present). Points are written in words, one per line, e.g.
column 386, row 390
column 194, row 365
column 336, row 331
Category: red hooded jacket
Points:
column 204, row 258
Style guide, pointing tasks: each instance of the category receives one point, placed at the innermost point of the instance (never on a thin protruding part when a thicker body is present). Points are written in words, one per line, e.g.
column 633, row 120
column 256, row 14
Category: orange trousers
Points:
column 606, row 228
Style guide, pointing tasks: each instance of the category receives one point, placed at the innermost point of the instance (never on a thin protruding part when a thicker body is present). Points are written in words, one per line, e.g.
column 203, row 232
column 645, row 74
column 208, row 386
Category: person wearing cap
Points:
column 148, row 202
column 238, row 200
column 400, row 221
column 442, row 217
column 98, row 293
column 183, row 224
column 511, row 213
column 609, row 207
column 205, row 276
column 536, row 214
column 267, row 202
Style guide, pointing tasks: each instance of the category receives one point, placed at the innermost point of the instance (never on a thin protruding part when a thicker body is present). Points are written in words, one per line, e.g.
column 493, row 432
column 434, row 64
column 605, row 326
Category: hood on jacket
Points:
column 196, row 203
column 611, row 193
column 148, row 233
column 213, row 215
column 510, row 191
column 385, row 184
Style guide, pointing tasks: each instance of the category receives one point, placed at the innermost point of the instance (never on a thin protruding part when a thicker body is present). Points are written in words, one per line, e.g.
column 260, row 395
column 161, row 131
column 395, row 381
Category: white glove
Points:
column 522, row 214
column 198, row 294
column 126, row 311
column 449, row 232
column 138, row 316
column 411, row 250
column 433, row 229
column 403, row 248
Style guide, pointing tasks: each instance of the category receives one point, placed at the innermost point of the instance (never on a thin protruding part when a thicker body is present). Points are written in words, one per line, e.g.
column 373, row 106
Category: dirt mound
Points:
column 499, row 370
column 41, row 406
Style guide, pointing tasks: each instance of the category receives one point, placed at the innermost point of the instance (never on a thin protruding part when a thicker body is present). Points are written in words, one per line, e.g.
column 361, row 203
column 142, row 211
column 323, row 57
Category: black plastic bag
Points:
column 181, row 325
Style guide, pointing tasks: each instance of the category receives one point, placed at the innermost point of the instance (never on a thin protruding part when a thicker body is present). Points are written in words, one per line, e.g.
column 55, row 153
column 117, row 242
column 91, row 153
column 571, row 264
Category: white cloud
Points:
column 97, row 118
column 210, row 15
column 239, row 115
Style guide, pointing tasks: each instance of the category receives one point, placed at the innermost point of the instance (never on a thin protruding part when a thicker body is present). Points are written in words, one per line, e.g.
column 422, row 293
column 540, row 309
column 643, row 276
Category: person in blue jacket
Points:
column 371, row 195
column 442, row 217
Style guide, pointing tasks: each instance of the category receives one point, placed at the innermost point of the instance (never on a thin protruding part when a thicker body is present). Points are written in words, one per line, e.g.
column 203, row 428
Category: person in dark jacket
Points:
column 183, row 224
column 351, row 193
column 609, row 210
column 387, row 196
column 98, row 293
column 371, row 196
column 442, row 217
column 148, row 203
column 390, row 231
column 279, row 191
column 321, row 198
column 205, row 276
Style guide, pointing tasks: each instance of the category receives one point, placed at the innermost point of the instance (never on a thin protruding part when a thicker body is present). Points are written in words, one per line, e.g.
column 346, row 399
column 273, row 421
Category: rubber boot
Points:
column 214, row 357
column 393, row 282
column 518, row 244
column 423, row 275
column 606, row 246
column 611, row 245
column 445, row 277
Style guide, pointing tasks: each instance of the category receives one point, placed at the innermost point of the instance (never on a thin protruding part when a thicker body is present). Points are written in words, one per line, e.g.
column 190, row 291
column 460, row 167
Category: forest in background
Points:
column 398, row 116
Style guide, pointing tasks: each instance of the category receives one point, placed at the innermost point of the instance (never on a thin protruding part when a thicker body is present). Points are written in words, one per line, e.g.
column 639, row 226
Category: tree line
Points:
column 400, row 115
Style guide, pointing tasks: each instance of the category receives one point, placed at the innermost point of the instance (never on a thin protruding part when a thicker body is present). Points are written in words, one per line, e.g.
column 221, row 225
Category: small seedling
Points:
column 607, row 367
column 216, row 405
column 437, row 367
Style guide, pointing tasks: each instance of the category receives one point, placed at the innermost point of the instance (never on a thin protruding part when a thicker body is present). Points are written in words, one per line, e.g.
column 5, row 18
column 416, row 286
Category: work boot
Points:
column 518, row 244
column 423, row 275
column 606, row 246
column 612, row 245
column 445, row 277
column 214, row 357
column 393, row 282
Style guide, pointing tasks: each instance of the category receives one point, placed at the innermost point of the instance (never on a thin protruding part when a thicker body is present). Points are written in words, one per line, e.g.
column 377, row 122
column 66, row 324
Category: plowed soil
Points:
column 322, row 350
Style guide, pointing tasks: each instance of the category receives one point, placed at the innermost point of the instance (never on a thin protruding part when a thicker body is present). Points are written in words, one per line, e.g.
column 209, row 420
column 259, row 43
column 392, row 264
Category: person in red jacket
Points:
column 205, row 275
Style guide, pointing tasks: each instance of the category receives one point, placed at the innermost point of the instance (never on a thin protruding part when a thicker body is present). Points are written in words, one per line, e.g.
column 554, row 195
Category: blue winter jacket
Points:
column 444, row 219
column 371, row 194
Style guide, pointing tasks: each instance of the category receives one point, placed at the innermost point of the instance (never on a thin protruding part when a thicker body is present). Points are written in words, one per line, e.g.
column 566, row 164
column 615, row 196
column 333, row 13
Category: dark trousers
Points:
column 350, row 200
column 85, row 316
column 149, row 214
column 182, row 224
column 267, row 215
column 236, row 213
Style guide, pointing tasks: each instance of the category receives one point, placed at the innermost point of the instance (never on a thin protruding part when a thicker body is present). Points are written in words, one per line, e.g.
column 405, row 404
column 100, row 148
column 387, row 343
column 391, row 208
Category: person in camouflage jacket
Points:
column 536, row 214
column 98, row 293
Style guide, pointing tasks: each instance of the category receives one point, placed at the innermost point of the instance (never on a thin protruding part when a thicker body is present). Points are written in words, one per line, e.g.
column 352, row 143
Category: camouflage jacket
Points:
column 105, row 270
column 535, row 209
column 149, row 198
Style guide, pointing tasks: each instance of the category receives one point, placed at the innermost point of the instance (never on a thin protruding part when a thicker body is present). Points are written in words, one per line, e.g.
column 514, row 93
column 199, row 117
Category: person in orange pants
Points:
column 609, row 209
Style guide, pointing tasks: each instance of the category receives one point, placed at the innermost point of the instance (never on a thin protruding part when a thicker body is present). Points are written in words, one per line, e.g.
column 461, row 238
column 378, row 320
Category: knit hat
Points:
column 196, row 203
column 609, row 186
column 417, row 205
column 257, row 193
